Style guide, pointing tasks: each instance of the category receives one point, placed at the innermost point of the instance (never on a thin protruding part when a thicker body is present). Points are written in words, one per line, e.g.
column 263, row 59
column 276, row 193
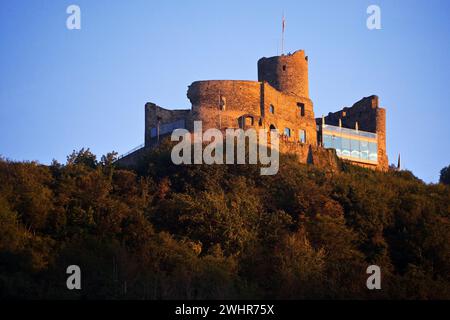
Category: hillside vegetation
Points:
column 218, row 232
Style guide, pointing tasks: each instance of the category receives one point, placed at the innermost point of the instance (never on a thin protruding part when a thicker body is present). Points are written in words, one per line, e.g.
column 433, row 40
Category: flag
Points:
column 283, row 24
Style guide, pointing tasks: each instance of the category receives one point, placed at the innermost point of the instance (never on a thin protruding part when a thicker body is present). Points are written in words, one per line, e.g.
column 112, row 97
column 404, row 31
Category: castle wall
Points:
column 153, row 113
column 278, row 100
column 381, row 131
column 305, row 153
column 309, row 154
column 364, row 112
column 254, row 99
column 239, row 98
column 288, row 114
column 132, row 159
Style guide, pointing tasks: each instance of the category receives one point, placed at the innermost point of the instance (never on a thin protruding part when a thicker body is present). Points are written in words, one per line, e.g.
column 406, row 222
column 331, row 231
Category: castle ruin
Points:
column 280, row 101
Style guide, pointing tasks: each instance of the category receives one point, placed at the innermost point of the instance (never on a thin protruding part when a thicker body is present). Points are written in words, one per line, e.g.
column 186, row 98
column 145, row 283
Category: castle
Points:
column 280, row 101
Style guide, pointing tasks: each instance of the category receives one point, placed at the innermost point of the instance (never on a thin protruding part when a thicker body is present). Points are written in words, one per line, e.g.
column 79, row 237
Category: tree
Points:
column 445, row 175
column 85, row 157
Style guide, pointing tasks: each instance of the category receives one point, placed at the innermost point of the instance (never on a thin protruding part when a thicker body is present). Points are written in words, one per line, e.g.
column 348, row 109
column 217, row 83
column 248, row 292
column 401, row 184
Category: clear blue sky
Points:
column 62, row 90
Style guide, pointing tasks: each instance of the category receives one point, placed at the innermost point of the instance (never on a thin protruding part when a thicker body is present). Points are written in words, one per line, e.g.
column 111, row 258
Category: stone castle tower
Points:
column 280, row 101
column 286, row 73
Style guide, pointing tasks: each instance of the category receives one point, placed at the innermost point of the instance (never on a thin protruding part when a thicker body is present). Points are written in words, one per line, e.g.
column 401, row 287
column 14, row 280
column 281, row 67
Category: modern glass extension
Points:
column 354, row 145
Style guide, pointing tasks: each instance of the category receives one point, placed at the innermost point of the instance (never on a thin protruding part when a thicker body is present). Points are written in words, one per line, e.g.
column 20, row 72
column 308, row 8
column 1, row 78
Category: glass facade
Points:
column 351, row 144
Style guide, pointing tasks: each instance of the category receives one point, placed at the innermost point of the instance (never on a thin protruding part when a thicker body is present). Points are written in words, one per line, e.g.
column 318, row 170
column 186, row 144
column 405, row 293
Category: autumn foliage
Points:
column 222, row 231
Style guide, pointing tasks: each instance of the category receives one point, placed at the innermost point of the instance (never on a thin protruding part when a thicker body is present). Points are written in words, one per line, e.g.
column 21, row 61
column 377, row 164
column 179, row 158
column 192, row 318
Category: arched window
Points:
column 287, row 132
column 301, row 108
column 223, row 103
column 302, row 136
column 272, row 109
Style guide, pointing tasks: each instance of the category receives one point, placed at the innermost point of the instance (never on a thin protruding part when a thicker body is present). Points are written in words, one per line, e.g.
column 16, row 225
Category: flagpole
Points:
column 220, row 110
column 282, row 34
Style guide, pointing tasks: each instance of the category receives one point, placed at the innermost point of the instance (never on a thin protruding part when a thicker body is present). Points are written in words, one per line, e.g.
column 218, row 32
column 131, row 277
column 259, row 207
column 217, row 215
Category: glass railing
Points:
column 348, row 131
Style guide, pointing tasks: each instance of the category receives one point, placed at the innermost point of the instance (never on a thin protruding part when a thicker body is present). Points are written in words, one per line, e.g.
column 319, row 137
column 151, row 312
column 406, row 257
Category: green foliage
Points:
column 445, row 176
column 219, row 232
column 83, row 157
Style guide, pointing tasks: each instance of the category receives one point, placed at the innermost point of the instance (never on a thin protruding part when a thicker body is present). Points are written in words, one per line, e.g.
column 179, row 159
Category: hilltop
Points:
column 222, row 231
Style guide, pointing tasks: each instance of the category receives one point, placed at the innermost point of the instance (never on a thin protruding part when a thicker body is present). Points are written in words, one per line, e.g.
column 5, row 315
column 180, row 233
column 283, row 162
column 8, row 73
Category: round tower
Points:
column 286, row 73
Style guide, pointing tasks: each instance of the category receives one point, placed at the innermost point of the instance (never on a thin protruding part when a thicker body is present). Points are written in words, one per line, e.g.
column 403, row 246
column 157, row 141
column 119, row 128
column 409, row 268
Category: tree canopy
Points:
column 214, row 232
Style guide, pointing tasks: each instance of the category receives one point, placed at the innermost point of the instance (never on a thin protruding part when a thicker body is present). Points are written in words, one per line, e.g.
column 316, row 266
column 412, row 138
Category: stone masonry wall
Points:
column 317, row 156
column 251, row 99
column 240, row 98
column 154, row 112
column 288, row 114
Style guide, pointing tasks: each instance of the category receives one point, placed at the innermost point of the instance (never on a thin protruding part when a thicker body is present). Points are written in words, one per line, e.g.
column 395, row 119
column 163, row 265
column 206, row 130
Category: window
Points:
column 346, row 151
column 373, row 151
column 364, row 148
column 287, row 132
column 354, row 147
column 272, row 109
column 337, row 145
column 302, row 136
column 223, row 103
column 284, row 68
column 301, row 108
column 245, row 121
column 327, row 141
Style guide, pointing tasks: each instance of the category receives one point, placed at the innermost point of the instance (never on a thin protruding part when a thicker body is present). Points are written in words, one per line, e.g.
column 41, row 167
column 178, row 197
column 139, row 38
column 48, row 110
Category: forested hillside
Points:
column 221, row 231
